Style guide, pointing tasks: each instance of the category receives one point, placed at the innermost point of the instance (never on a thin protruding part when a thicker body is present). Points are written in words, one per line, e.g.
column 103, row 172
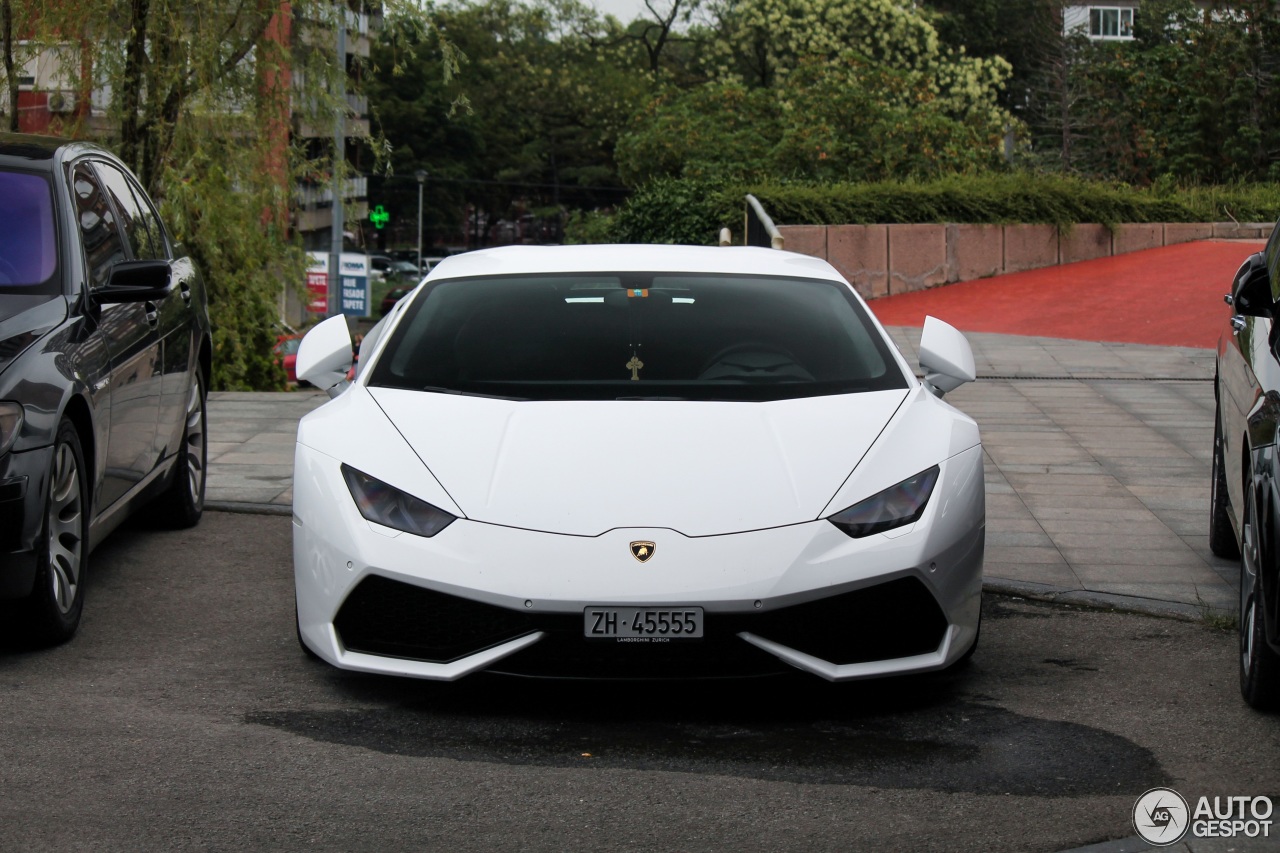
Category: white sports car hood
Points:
column 582, row 468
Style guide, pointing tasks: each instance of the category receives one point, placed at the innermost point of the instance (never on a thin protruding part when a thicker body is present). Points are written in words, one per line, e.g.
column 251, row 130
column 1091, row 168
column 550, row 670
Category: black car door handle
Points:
column 185, row 290
column 153, row 314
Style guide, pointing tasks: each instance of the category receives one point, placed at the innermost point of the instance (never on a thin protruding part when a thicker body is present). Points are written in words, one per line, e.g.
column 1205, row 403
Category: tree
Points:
column 824, row 90
column 529, row 125
column 197, row 99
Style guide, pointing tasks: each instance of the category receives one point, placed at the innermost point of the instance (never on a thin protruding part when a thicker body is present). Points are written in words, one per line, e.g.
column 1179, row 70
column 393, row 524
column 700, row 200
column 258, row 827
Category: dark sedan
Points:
column 104, row 364
column 1245, row 502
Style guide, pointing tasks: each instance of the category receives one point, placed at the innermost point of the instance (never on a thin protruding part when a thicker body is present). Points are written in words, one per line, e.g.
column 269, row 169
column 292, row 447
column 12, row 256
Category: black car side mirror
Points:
column 136, row 281
column 1251, row 288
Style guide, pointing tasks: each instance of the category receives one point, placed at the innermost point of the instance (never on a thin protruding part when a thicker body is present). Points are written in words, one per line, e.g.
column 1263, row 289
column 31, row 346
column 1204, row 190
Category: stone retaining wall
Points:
column 883, row 259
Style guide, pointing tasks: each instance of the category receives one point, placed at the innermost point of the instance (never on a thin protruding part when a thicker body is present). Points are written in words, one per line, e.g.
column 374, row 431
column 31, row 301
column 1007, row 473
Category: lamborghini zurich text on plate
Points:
column 636, row 462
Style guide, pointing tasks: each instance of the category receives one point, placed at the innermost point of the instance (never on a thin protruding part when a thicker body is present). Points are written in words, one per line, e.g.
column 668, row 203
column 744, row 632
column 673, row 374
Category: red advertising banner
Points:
column 318, row 289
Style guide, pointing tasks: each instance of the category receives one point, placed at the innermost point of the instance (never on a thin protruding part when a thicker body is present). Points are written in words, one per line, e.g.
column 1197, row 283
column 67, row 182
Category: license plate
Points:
column 635, row 624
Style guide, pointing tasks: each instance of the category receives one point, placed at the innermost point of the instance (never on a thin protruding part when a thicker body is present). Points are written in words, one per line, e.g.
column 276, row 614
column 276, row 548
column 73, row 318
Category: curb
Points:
column 1016, row 589
column 248, row 508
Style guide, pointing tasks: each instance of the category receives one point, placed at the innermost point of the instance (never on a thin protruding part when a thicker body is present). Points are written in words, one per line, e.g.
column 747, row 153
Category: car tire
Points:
column 1259, row 663
column 182, row 504
column 1222, row 537
column 52, row 612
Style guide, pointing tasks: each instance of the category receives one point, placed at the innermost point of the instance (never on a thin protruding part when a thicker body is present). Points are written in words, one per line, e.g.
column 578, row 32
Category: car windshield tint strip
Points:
column 638, row 336
column 28, row 242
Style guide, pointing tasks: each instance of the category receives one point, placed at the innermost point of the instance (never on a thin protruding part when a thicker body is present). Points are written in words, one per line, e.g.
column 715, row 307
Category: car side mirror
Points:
column 325, row 357
column 945, row 357
column 1251, row 288
column 136, row 281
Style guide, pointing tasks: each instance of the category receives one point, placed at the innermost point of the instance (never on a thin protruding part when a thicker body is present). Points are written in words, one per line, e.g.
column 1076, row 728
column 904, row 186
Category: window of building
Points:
column 1110, row 22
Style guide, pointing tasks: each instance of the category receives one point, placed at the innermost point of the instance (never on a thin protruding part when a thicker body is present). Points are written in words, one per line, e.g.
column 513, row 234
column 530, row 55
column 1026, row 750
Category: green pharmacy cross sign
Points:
column 379, row 217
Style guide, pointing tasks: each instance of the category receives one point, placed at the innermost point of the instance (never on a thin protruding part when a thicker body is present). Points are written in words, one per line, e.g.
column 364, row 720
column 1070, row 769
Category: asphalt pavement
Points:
column 184, row 717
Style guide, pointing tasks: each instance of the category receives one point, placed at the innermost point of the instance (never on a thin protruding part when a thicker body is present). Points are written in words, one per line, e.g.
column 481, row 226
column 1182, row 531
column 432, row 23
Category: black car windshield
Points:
column 28, row 240
column 637, row 336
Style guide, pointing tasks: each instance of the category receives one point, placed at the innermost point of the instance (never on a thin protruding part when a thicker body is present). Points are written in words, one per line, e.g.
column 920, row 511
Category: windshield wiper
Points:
column 439, row 389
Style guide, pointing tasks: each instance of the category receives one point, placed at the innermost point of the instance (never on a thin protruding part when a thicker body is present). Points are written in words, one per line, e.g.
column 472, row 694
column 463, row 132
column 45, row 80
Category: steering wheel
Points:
column 755, row 347
column 8, row 273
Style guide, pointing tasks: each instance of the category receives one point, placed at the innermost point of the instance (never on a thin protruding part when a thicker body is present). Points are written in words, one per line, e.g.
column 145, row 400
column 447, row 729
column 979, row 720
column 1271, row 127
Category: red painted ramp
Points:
column 1171, row 296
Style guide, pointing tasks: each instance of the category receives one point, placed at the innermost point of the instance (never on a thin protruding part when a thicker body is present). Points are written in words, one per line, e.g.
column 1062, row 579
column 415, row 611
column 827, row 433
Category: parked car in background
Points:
column 104, row 364
column 393, row 296
column 391, row 268
column 1245, row 481
column 286, row 353
column 637, row 461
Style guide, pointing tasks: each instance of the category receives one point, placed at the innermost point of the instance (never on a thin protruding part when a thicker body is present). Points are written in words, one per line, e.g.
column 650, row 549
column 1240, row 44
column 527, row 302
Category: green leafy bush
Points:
column 685, row 211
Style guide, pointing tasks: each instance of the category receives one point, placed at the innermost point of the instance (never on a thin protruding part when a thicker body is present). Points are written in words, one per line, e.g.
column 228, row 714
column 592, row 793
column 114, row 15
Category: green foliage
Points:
column 824, row 90
column 215, row 205
column 676, row 211
column 590, row 226
column 672, row 211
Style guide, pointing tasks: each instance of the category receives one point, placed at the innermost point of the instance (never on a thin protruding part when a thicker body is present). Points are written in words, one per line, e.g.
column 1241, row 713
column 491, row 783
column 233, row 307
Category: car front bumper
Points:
column 481, row 596
column 23, row 481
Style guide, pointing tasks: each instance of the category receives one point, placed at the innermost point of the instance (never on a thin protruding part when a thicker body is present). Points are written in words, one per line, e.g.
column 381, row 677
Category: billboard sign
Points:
column 353, row 284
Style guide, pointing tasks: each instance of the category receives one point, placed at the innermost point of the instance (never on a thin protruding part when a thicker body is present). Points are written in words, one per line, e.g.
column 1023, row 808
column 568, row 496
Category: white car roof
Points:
column 743, row 260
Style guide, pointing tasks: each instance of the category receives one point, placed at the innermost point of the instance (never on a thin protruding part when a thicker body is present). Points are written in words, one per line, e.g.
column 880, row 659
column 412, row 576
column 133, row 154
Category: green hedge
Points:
column 683, row 211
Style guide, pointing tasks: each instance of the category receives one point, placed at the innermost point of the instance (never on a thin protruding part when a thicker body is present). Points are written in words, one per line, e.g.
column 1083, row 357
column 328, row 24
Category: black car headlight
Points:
column 896, row 506
column 390, row 507
column 10, row 425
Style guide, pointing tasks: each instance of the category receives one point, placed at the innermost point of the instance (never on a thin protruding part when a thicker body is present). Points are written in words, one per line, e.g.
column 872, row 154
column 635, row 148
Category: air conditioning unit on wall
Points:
column 62, row 102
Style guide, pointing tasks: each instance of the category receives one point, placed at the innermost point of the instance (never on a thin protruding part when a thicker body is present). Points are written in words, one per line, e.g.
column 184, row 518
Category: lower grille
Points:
column 386, row 617
column 891, row 620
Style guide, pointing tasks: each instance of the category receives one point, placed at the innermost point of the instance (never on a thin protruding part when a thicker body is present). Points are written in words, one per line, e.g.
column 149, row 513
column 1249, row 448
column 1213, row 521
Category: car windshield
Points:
column 28, row 241
column 637, row 336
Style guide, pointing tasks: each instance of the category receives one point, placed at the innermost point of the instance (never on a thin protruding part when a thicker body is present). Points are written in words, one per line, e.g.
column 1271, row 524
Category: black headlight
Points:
column 390, row 507
column 896, row 506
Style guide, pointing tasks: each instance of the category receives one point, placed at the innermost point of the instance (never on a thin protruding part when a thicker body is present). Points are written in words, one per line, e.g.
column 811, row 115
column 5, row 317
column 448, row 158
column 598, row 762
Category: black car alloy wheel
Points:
column 57, row 600
column 1259, row 664
column 183, row 502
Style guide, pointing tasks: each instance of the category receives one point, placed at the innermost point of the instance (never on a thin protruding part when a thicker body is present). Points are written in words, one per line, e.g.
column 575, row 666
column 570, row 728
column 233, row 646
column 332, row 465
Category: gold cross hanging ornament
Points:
column 634, row 366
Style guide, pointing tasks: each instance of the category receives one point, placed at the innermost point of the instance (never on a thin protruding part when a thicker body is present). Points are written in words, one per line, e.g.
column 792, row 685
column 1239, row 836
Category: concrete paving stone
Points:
column 1102, row 570
column 1132, row 451
column 1159, row 505
column 1017, row 539
column 1186, row 522
column 253, row 476
column 1153, row 559
column 1024, row 554
column 1150, row 525
column 1036, row 435
column 274, row 438
column 242, row 494
column 1036, row 501
column 1212, row 596
column 1111, row 514
column 255, row 457
column 1054, row 574
column 1056, row 487
column 1090, row 466
column 1159, row 479
column 1013, row 525
column 1020, row 456
column 1116, row 541
column 1007, row 507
